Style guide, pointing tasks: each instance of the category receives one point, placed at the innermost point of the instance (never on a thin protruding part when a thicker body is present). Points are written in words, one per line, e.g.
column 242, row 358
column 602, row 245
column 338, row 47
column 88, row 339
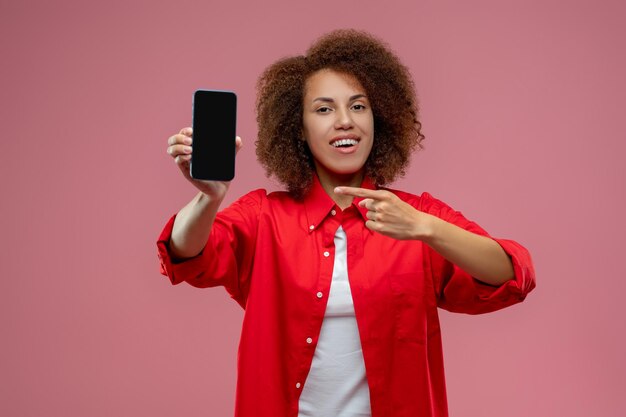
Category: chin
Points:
column 347, row 172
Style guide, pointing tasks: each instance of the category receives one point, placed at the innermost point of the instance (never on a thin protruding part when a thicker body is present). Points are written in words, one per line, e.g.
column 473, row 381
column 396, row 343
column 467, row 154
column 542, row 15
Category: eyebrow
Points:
column 328, row 99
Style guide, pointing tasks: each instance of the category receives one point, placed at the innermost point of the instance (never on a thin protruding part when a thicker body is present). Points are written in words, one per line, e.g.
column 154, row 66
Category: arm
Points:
column 192, row 226
column 189, row 242
column 193, row 222
column 480, row 256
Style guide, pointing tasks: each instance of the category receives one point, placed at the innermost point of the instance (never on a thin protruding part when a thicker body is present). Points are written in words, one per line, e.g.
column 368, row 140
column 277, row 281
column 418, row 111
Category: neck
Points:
column 329, row 182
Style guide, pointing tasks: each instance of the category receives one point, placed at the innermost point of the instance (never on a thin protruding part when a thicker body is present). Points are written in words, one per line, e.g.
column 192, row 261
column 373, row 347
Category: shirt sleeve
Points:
column 458, row 291
column 227, row 257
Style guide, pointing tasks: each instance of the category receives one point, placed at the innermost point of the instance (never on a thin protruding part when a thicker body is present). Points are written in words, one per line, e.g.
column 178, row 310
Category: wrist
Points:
column 208, row 202
column 427, row 227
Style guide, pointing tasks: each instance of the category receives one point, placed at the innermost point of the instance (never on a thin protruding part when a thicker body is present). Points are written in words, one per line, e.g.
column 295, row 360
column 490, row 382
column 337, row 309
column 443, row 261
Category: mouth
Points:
column 345, row 141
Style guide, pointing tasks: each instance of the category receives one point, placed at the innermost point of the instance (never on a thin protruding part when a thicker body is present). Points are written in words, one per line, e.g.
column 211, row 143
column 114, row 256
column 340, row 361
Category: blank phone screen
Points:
column 214, row 124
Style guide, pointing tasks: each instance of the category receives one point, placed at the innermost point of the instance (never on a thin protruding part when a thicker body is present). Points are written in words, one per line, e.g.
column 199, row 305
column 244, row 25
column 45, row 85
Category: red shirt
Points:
column 275, row 256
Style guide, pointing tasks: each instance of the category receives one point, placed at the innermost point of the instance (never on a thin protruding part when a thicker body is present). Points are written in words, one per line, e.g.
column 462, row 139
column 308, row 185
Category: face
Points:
column 338, row 126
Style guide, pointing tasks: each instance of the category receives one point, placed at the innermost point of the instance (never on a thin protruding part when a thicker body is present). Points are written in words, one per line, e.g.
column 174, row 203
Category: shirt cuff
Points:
column 175, row 269
column 465, row 294
column 516, row 289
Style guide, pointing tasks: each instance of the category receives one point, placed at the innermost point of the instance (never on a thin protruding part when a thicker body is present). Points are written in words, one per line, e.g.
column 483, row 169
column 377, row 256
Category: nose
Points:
column 343, row 119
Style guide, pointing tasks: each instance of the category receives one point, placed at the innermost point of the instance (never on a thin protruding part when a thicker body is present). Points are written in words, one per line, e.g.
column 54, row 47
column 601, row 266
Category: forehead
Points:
column 328, row 82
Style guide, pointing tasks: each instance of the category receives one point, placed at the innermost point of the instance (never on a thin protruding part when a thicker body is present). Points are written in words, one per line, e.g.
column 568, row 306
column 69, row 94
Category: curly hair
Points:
column 390, row 90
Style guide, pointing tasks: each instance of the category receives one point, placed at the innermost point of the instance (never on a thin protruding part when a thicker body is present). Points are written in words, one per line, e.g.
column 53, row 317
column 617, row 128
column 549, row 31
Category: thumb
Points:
column 238, row 144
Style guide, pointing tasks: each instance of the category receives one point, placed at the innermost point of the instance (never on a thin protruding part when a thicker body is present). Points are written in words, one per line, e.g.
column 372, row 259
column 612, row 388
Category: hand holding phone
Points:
column 214, row 126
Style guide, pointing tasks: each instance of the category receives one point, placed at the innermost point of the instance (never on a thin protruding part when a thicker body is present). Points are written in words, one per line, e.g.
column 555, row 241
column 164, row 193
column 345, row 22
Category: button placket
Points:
column 326, row 268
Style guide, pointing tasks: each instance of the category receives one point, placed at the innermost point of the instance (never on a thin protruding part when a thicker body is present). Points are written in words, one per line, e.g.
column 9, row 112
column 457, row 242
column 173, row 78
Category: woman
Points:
column 340, row 278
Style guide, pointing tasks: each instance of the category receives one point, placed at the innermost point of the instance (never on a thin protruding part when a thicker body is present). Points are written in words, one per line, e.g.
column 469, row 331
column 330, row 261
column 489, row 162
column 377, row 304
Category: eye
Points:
column 358, row 107
column 323, row 110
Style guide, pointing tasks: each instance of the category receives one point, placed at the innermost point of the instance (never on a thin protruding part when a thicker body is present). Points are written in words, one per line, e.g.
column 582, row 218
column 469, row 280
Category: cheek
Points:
column 312, row 129
column 367, row 123
column 369, row 128
column 313, row 143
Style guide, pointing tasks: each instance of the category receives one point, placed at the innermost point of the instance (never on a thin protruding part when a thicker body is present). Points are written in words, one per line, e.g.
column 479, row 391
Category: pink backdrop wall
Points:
column 523, row 109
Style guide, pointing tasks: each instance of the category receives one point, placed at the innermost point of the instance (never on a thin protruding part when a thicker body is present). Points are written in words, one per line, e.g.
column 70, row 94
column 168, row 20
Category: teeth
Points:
column 345, row 142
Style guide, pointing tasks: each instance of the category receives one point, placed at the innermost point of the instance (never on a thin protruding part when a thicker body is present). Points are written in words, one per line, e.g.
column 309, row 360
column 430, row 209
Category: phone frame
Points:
column 212, row 147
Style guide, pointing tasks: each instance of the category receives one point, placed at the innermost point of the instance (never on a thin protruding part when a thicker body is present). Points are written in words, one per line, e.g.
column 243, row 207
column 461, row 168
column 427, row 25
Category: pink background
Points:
column 523, row 109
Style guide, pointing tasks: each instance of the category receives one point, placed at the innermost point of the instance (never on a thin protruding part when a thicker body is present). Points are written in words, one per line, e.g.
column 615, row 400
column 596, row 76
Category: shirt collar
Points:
column 318, row 204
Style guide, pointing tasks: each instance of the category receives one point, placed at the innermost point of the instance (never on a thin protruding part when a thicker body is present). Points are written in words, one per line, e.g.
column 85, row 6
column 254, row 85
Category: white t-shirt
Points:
column 337, row 384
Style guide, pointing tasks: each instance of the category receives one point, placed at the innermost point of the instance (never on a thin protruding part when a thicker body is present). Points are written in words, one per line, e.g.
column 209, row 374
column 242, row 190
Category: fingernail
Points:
column 187, row 149
column 187, row 141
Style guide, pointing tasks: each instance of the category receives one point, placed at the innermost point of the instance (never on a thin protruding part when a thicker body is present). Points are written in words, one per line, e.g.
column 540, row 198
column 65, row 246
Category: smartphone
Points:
column 214, row 125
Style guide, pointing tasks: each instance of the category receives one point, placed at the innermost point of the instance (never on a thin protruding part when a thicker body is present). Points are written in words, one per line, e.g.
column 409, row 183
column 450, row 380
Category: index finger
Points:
column 360, row 192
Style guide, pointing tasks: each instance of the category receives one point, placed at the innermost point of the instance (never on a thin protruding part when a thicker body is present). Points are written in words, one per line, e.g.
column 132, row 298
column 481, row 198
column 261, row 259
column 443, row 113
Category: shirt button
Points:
column 320, row 295
column 298, row 385
column 311, row 227
column 309, row 340
column 333, row 212
column 327, row 254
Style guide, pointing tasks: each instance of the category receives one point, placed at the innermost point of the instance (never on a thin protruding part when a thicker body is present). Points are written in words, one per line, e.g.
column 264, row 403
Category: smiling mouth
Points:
column 344, row 143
